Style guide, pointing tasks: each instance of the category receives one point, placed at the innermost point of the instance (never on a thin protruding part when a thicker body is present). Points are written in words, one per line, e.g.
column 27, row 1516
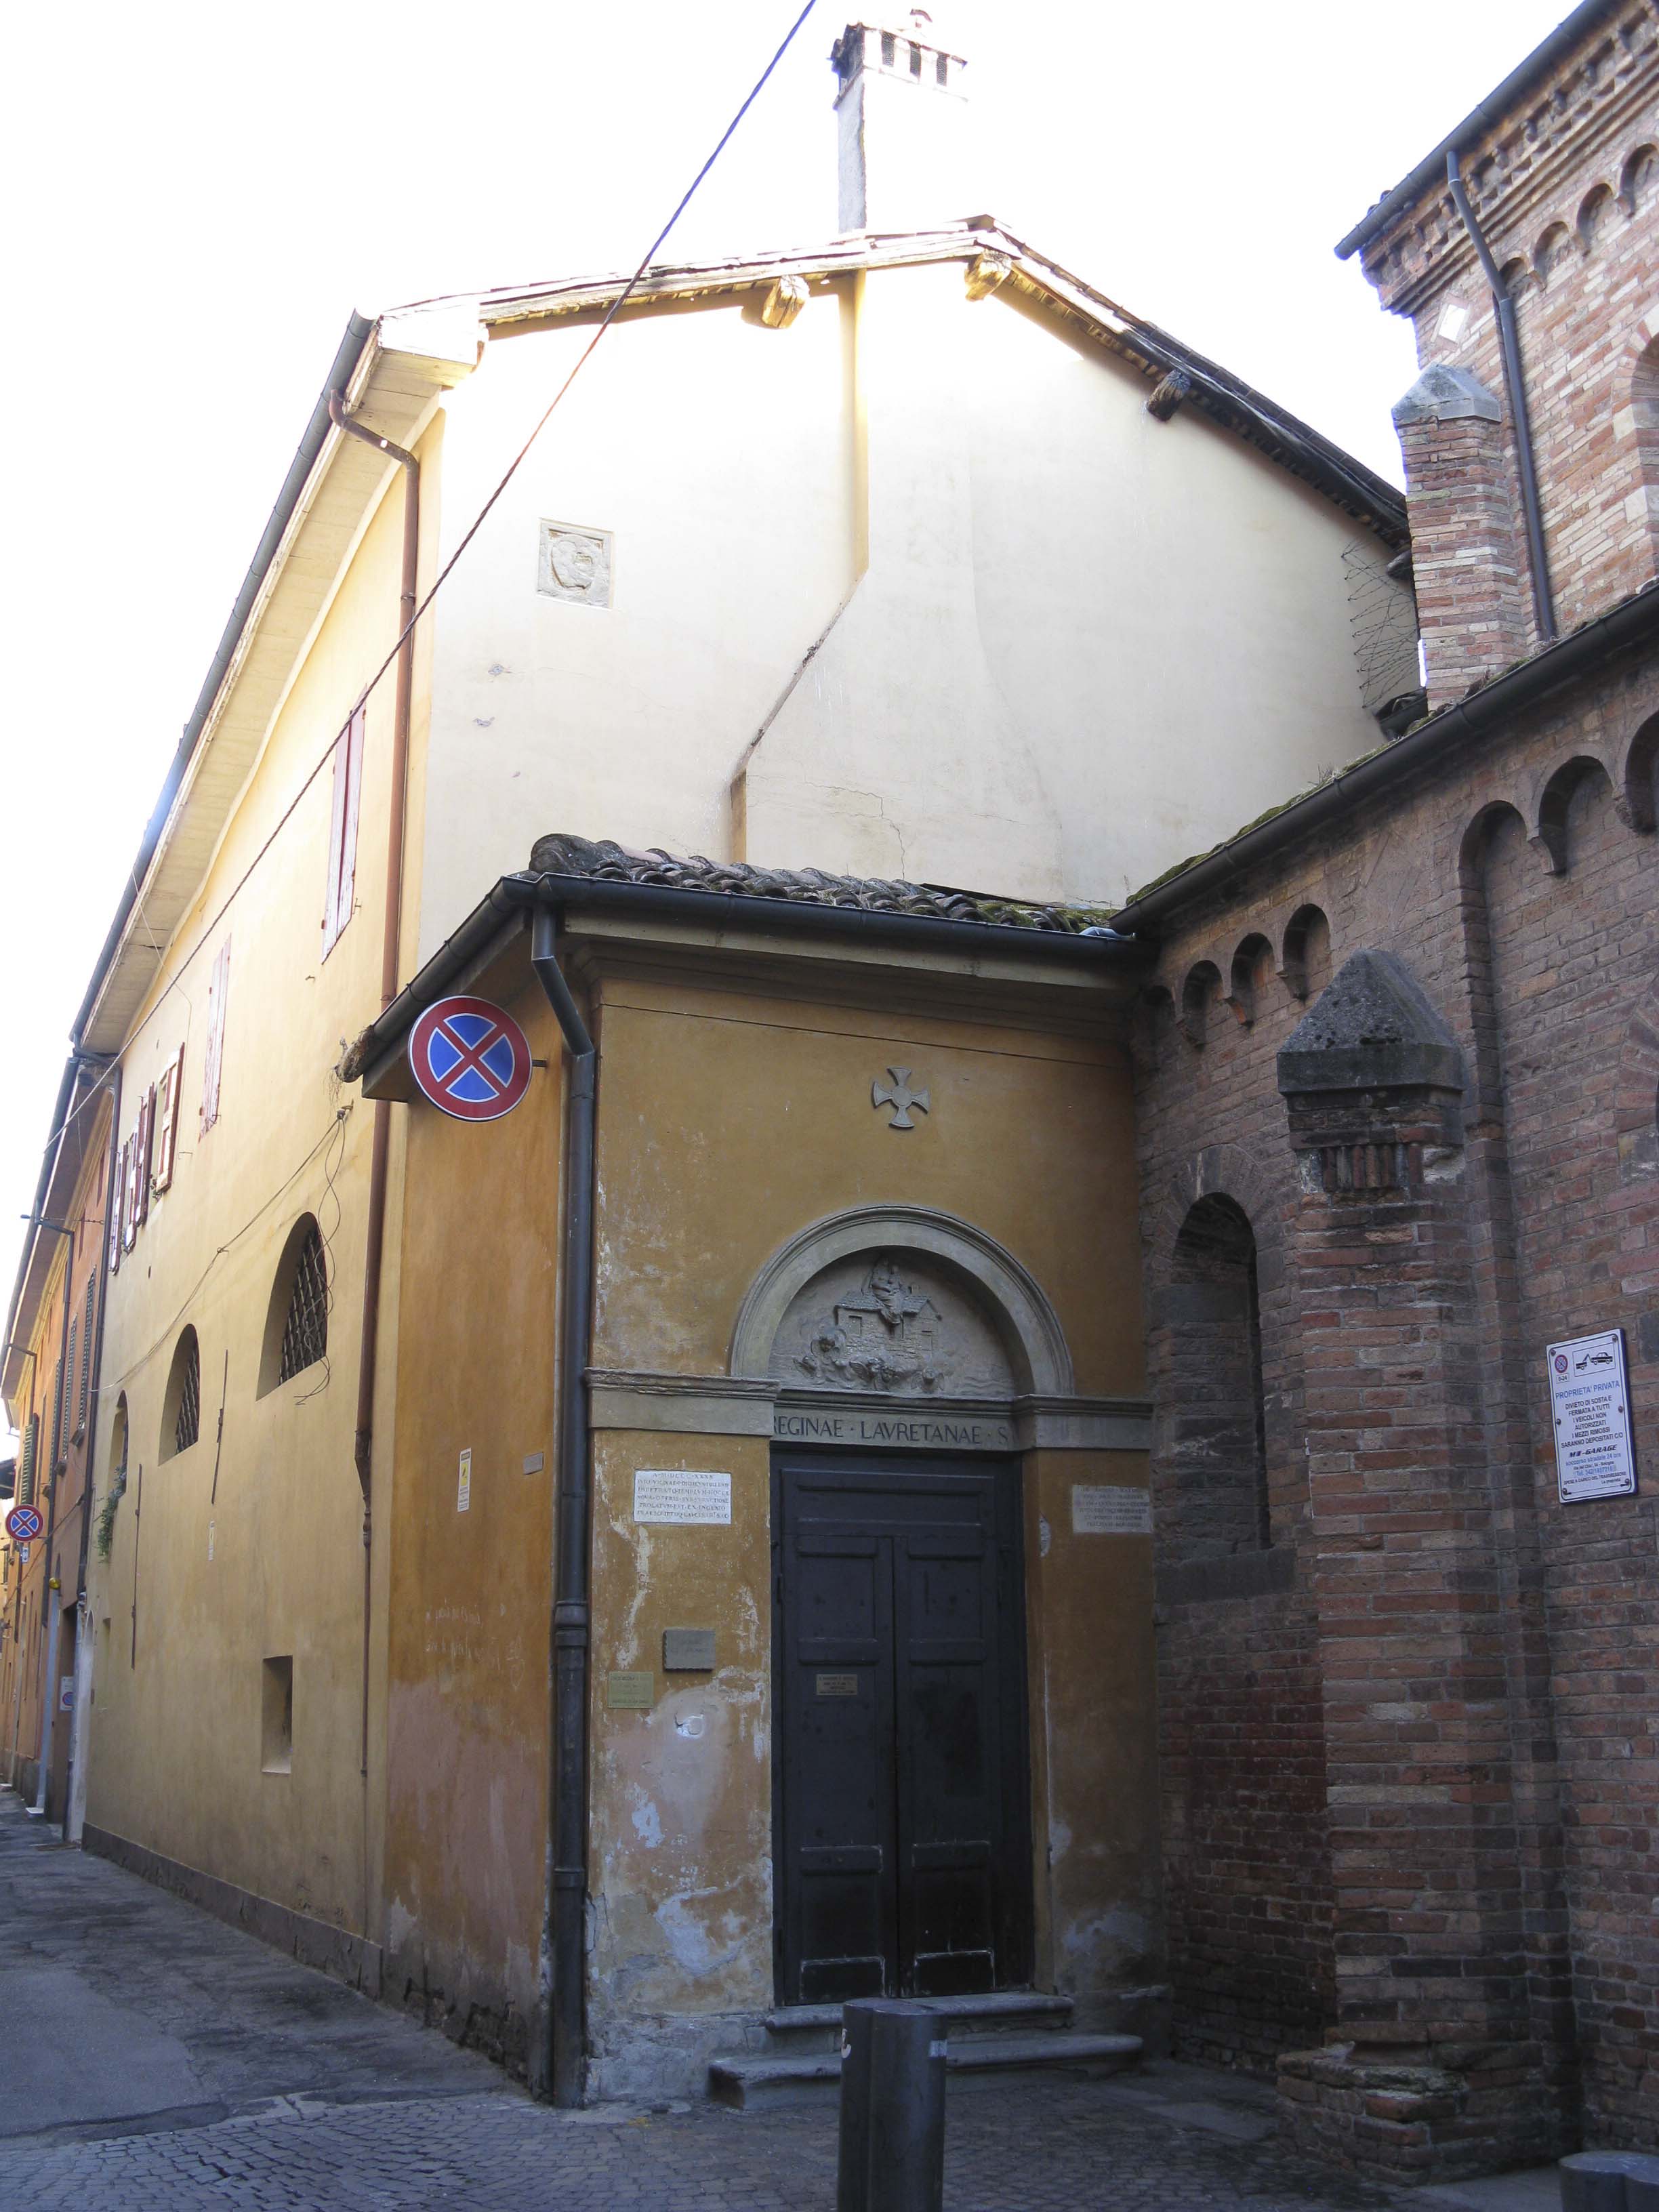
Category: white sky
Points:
column 196, row 195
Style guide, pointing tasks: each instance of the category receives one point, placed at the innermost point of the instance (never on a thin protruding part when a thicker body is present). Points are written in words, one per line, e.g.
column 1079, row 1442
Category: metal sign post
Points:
column 892, row 2108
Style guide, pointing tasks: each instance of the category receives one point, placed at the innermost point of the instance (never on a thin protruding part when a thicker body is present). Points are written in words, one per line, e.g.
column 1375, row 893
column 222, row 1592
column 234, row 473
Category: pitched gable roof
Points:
column 1005, row 259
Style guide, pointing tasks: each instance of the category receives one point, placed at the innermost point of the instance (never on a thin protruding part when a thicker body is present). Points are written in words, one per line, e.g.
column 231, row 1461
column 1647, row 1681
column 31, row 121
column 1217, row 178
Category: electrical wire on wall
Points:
column 472, row 531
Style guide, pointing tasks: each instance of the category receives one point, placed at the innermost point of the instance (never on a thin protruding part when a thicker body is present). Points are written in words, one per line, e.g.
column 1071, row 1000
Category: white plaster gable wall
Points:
column 1076, row 645
column 1088, row 644
column 718, row 453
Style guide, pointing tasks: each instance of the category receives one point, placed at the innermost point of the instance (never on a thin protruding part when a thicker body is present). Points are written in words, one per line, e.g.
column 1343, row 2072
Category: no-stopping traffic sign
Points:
column 471, row 1058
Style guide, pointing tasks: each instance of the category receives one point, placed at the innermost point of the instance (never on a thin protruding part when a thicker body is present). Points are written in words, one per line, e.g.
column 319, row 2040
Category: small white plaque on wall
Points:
column 1102, row 1508
column 671, row 1494
column 1589, row 1402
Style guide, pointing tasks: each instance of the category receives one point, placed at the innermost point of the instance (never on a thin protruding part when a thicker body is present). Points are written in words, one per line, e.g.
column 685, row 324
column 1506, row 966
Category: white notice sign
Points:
column 669, row 1494
column 1101, row 1508
column 1590, row 1403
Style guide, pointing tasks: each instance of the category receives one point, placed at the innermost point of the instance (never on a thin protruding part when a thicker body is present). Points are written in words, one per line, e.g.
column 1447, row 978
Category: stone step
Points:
column 750, row 2085
column 995, row 2012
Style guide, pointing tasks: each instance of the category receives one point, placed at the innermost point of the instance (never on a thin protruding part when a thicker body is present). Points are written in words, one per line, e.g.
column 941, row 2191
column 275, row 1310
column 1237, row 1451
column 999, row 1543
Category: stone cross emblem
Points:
column 900, row 1097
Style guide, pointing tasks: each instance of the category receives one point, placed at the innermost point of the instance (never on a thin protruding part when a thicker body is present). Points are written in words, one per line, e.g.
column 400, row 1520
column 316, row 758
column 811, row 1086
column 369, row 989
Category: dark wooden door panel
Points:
column 951, row 1803
column 901, row 1830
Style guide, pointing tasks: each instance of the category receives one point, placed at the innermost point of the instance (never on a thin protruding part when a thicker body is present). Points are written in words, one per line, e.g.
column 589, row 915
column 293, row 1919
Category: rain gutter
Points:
column 513, row 897
column 560, row 2069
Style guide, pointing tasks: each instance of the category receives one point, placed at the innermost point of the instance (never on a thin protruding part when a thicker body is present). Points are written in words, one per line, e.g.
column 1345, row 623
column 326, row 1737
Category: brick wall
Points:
column 1408, row 1761
column 1566, row 185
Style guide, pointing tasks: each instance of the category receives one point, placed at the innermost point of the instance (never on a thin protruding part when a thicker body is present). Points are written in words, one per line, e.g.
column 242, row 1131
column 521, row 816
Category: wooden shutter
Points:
column 129, row 1193
column 214, row 1054
column 117, row 1209
column 144, row 1138
column 57, row 1412
column 31, row 1453
column 166, row 1121
column 86, row 1355
column 342, row 829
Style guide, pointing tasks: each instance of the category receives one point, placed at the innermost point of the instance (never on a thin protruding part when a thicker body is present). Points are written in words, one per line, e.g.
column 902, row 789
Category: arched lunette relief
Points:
column 878, row 1240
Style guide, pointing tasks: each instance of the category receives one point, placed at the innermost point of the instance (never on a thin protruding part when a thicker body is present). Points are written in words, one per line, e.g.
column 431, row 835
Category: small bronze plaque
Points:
column 688, row 1650
column 838, row 1685
column 631, row 1692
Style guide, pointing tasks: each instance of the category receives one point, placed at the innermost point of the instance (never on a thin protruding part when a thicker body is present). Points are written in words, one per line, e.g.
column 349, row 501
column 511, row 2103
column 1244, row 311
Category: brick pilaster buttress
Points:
column 1430, row 2069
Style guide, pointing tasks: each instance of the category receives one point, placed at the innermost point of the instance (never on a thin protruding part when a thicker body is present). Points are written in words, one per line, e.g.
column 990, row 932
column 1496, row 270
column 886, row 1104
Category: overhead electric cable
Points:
column 478, row 520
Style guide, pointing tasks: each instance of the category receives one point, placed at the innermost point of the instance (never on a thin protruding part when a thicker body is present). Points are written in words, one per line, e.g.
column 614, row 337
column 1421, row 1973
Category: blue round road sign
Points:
column 23, row 1524
column 470, row 1059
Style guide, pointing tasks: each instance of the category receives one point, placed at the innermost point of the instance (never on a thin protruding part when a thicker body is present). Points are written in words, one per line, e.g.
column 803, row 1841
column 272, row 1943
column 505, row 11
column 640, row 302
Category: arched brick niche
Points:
column 1213, row 1500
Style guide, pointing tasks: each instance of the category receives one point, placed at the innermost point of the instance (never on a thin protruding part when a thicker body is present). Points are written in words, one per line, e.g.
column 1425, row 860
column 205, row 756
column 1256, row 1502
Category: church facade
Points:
column 989, row 1444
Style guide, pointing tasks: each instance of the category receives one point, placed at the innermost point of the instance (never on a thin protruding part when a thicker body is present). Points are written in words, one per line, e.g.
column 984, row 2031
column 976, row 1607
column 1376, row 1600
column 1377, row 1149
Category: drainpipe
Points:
column 1509, row 342
column 74, row 1811
column 562, row 1962
column 54, row 1591
column 391, row 938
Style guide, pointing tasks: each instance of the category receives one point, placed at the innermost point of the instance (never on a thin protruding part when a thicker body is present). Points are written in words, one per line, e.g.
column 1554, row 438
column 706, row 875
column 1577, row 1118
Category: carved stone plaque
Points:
column 575, row 564
column 688, row 1650
column 887, row 1321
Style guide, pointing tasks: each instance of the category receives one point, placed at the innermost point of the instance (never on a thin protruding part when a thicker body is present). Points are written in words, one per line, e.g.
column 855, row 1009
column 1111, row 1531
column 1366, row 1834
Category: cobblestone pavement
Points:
column 153, row 2060
column 1059, row 2145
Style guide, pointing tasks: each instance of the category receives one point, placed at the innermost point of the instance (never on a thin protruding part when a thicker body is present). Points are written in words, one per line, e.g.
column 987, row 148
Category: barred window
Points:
column 296, row 1322
column 305, row 1333
column 181, row 1406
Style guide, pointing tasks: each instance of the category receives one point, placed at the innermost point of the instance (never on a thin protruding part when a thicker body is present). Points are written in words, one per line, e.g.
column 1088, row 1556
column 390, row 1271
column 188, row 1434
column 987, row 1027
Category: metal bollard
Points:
column 892, row 2108
column 1609, row 2181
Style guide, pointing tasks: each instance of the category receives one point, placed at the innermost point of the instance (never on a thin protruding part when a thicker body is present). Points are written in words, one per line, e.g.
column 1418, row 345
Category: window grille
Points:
column 188, row 1425
column 305, row 1333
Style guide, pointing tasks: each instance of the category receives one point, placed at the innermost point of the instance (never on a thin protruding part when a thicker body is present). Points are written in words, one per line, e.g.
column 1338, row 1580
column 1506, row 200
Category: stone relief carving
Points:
column 575, row 564
column 882, row 1322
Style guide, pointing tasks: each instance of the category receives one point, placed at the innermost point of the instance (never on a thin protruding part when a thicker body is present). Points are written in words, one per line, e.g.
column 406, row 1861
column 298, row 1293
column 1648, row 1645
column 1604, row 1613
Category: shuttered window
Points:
column 166, row 1121
column 56, row 1413
column 26, row 1472
column 217, row 986
column 145, row 1140
column 117, row 1209
column 342, row 829
column 84, row 1389
column 129, row 1193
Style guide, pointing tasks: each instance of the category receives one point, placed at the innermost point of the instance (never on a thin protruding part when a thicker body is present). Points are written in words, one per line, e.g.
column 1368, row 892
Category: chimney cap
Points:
column 920, row 26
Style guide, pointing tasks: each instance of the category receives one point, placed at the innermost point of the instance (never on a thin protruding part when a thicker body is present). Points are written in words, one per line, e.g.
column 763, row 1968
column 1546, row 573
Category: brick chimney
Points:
column 902, row 125
column 1465, row 550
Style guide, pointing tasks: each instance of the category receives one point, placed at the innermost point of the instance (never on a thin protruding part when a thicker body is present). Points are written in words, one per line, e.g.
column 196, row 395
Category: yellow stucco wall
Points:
column 250, row 1547
column 467, row 1691
column 729, row 1119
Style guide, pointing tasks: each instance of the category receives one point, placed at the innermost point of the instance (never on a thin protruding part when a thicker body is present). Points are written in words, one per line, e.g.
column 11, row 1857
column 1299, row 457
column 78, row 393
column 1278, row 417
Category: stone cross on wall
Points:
column 900, row 1097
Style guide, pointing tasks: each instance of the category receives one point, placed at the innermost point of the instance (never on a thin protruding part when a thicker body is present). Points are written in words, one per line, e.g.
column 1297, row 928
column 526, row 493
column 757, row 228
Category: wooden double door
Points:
column 902, row 1826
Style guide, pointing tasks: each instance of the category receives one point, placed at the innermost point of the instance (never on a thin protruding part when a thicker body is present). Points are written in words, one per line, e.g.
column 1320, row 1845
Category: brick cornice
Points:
column 1516, row 150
